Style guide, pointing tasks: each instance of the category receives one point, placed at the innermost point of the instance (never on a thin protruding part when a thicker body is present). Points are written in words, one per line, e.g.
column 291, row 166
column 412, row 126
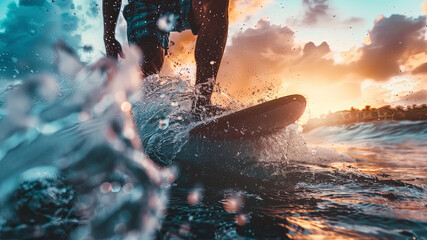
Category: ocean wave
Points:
column 375, row 132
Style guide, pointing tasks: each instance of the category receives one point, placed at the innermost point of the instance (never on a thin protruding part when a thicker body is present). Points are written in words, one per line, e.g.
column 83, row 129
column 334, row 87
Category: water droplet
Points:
column 105, row 187
column 241, row 219
column 195, row 196
column 164, row 123
column 115, row 187
column 126, row 107
column 128, row 187
column 231, row 204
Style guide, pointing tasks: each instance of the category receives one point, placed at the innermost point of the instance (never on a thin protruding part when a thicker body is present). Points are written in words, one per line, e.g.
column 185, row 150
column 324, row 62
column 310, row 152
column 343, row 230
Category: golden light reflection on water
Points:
column 405, row 161
column 381, row 203
column 309, row 227
column 318, row 229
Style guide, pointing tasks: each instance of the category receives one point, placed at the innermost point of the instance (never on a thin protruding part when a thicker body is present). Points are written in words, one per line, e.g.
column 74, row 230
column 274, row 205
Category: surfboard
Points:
column 258, row 120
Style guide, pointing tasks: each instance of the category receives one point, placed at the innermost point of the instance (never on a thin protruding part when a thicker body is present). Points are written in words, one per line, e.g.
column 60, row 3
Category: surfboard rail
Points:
column 253, row 121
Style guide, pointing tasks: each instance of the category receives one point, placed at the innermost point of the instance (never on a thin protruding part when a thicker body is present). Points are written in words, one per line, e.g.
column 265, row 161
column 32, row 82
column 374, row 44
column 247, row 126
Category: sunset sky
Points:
column 336, row 53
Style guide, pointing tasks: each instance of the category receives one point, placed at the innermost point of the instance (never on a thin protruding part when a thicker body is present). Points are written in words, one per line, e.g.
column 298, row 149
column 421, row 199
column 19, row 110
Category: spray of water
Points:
column 68, row 139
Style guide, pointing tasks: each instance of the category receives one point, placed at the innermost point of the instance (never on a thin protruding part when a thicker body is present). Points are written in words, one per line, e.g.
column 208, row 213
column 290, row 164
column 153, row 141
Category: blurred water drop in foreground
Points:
column 71, row 166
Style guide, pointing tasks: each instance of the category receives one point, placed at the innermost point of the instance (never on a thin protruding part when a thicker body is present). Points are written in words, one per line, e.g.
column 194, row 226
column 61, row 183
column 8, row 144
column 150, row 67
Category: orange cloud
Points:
column 419, row 97
column 239, row 9
column 379, row 18
column 253, row 63
column 254, row 68
column 415, row 62
column 352, row 55
column 421, row 69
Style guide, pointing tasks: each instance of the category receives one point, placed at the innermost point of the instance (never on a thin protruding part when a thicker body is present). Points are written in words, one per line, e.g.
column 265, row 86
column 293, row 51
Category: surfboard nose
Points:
column 298, row 98
column 257, row 120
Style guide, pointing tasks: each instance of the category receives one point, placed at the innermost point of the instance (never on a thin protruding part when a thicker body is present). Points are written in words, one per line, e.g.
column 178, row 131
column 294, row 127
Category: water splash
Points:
column 163, row 119
column 167, row 22
column 86, row 136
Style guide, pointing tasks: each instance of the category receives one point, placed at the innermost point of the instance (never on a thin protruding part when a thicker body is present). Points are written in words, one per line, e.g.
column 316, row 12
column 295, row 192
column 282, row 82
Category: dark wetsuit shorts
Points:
column 142, row 19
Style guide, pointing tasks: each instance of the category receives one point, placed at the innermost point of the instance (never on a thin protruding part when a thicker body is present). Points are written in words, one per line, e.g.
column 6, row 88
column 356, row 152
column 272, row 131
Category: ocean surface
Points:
column 71, row 166
column 378, row 194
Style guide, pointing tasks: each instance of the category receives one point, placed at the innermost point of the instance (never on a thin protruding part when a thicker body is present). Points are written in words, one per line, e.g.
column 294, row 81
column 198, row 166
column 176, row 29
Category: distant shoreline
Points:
column 368, row 114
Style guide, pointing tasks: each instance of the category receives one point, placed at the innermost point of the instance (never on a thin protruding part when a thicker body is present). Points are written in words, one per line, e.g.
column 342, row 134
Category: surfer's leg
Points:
column 212, row 18
column 141, row 17
column 153, row 55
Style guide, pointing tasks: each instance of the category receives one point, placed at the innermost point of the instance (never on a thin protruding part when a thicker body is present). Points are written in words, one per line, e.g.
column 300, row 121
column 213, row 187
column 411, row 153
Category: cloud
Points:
column 419, row 97
column 392, row 41
column 422, row 69
column 353, row 20
column 30, row 30
column 314, row 10
column 319, row 13
column 251, row 58
column 269, row 52
column 239, row 9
